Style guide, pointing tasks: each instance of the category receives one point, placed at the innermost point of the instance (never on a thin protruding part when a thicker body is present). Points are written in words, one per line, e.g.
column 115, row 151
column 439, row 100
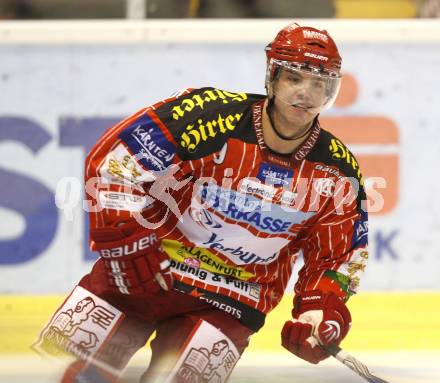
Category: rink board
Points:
column 381, row 321
column 64, row 83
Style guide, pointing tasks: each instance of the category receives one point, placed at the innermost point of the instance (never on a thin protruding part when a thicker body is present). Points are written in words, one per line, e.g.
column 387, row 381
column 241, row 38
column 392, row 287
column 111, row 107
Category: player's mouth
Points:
column 302, row 107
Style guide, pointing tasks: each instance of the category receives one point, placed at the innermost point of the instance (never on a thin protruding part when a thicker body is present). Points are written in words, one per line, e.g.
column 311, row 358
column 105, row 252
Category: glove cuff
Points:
column 318, row 300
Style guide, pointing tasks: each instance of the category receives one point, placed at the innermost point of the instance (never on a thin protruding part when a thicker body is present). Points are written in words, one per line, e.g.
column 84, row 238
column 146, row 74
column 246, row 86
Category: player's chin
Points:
column 302, row 119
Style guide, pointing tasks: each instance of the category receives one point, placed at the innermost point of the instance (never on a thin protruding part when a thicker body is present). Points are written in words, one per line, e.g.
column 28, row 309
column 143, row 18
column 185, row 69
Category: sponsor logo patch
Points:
column 266, row 217
column 355, row 268
column 199, row 257
column 324, row 186
column 79, row 327
column 251, row 317
column 122, row 201
column 360, row 234
column 313, row 55
column 275, row 175
column 133, row 247
column 192, row 262
column 236, row 241
column 308, row 34
column 288, row 197
column 121, row 167
column 197, row 101
column 341, row 153
column 149, row 144
column 246, row 289
column 209, row 356
column 249, row 186
column 244, row 255
column 204, row 130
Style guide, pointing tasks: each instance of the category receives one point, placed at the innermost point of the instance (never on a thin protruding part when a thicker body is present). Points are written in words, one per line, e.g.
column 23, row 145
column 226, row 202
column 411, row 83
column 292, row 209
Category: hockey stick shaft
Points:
column 352, row 363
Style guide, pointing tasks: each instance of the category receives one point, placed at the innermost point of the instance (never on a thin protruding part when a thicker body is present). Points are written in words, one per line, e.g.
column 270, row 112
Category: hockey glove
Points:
column 132, row 258
column 318, row 319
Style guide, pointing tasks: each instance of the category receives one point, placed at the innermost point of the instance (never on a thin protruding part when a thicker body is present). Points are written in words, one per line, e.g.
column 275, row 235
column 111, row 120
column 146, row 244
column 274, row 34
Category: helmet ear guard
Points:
column 272, row 73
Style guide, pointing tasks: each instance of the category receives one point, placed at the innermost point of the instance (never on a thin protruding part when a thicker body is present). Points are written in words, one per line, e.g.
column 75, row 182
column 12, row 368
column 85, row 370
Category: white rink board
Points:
column 53, row 94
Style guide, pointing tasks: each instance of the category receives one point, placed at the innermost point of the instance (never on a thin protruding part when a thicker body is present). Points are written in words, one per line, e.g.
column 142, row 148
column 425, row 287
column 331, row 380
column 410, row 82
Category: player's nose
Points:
column 303, row 92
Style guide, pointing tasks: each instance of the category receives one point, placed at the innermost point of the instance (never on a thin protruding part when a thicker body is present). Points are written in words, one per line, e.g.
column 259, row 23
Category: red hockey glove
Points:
column 318, row 319
column 132, row 258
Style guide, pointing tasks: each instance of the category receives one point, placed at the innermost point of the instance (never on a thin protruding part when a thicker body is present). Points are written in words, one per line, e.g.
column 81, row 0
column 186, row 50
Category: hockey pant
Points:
column 194, row 341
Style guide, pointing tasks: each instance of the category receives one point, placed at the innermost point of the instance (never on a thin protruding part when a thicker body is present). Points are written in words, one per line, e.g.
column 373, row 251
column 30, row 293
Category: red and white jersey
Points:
column 232, row 215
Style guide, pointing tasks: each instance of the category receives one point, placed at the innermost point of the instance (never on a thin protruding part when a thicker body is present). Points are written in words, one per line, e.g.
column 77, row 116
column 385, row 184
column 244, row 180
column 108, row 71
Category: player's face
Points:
column 295, row 93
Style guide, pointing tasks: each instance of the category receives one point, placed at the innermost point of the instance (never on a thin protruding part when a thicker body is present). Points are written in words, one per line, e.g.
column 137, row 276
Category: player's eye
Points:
column 318, row 84
column 294, row 78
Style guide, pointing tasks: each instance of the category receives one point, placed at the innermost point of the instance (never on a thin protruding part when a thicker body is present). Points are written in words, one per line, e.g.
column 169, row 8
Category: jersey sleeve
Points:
column 335, row 249
column 124, row 164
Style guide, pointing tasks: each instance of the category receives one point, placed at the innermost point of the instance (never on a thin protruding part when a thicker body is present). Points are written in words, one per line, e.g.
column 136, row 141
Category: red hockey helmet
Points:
column 305, row 45
column 305, row 50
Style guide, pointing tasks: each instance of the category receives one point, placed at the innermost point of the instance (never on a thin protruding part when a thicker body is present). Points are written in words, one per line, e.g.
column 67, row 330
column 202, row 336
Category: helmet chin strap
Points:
column 272, row 123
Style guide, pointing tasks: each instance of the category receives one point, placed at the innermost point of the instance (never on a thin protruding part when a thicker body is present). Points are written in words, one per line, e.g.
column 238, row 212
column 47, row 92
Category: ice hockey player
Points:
column 199, row 207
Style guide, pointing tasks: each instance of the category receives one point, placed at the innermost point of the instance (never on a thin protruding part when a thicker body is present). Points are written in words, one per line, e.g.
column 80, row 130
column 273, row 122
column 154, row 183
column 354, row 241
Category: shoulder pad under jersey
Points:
column 332, row 155
column 202, row 120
